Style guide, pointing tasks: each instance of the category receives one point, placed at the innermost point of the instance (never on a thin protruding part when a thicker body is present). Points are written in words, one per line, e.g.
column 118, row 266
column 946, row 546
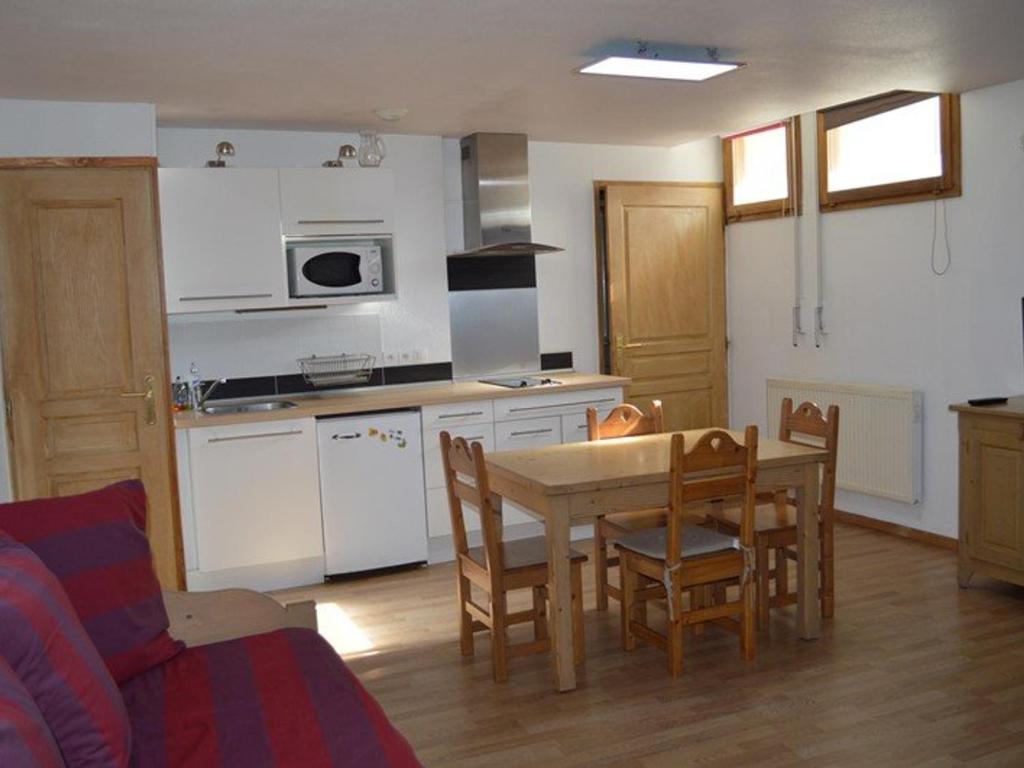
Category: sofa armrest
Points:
column 201, row 618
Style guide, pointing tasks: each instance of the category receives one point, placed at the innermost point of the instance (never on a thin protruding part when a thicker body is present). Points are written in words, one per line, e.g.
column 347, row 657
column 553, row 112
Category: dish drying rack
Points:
column 336, row 370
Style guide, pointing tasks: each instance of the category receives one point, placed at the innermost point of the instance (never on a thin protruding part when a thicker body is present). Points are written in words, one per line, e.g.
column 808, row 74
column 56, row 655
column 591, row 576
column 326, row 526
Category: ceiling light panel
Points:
column 659, row 69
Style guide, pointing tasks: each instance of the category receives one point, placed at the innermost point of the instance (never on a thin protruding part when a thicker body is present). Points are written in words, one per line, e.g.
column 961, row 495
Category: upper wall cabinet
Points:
column 343, row 201
column 221, row 232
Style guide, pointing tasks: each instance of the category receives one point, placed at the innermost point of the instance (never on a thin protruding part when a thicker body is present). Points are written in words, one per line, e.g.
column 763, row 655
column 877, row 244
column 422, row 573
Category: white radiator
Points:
column 879, row 433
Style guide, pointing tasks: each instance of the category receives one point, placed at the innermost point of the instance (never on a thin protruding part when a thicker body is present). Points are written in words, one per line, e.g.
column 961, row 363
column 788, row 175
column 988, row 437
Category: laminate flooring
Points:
column 913, row 671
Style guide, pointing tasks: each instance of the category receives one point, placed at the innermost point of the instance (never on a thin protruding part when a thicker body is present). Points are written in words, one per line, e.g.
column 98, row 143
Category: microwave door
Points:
column 333, row 270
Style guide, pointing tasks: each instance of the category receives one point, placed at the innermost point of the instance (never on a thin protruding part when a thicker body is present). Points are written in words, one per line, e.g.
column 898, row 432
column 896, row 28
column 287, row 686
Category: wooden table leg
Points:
column 560, row 594
column 808, row 612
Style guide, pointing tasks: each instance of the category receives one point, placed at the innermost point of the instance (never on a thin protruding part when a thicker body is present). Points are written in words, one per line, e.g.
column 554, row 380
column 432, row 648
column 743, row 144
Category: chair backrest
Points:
column 625, row 421
column 465, row 476
column 807, row 421
column 714, row 467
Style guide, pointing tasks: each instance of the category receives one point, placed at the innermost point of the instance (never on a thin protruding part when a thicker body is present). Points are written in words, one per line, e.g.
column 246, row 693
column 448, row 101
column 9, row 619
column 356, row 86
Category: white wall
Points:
column 889, row 319
column 562, row 200
column 64, row 129
column 76, row 128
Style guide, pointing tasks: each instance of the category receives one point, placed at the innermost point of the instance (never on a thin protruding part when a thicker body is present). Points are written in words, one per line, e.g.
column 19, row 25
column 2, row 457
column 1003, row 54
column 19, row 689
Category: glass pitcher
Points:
column 371, row 149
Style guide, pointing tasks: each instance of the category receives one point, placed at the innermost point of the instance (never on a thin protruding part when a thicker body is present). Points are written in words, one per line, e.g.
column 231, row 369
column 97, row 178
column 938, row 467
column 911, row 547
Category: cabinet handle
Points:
column 561, row 405
column 340, row 221
column 228, row 296
column 460, row 415
column 254, row 437
column 475, row 437
column 525, row 432
column 347, row 436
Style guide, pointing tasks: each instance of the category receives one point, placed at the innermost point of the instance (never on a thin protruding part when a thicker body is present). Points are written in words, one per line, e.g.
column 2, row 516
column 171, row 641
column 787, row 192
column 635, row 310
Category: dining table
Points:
column 576, row 483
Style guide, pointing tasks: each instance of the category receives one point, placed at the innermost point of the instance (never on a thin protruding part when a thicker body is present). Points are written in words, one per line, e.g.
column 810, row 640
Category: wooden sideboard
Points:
column 991, row 491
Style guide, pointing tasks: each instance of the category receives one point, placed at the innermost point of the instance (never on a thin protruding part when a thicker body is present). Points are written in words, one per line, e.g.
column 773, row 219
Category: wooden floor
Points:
column 912, row 672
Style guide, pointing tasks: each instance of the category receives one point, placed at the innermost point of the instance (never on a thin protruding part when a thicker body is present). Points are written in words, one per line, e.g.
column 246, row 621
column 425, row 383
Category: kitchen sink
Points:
column 270, row 405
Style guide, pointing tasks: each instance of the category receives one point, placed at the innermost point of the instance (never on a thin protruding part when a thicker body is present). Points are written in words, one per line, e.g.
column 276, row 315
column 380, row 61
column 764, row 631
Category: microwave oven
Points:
column 334, row 268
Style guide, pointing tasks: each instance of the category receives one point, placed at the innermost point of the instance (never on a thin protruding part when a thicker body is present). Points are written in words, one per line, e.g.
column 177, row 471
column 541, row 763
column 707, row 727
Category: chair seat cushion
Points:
column 43, row 642
column 697, row 541
column 280, row 698
column 524, row 553
column 25, row 739
column 767, row 517
column 96, row 544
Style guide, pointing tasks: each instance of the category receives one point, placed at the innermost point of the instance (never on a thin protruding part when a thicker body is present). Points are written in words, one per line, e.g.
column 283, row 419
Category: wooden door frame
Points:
column 145, row 162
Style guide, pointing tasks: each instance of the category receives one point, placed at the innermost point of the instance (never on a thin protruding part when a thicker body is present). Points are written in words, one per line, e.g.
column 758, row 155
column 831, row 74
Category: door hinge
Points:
column 8, row 410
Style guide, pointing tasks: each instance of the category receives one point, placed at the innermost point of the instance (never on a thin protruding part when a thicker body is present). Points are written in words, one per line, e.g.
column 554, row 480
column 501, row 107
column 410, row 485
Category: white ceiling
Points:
column 495, row 65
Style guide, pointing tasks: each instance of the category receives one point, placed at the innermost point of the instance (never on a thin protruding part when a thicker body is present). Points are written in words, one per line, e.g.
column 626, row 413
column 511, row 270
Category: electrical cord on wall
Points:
column 945, row 236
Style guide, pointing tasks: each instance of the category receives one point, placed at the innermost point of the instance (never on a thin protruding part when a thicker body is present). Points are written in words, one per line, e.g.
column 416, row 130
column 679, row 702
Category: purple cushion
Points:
column 25, row 738
column 49, row 651
column 96, row 545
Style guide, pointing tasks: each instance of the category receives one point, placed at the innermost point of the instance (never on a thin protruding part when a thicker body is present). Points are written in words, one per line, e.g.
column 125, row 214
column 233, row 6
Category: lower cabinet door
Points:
column 574, row 426
column 255, row 494
column 517, row 435
column 996, row 498
column 472, row 433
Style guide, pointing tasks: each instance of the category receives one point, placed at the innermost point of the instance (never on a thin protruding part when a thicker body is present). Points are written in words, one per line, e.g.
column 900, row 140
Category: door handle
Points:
column 148, row 395
column 620, row 344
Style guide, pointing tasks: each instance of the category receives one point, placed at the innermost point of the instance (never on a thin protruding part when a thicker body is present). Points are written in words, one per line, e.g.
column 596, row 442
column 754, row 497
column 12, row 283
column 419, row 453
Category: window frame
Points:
column 767, row 209
column 915, row 190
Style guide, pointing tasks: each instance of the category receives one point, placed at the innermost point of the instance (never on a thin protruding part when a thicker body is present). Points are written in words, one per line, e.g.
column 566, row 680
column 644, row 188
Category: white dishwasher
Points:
column 371, row 491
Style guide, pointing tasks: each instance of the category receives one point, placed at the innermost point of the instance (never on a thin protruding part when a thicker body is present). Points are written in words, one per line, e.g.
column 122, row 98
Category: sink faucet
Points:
column 202, row 395
column 197, row 396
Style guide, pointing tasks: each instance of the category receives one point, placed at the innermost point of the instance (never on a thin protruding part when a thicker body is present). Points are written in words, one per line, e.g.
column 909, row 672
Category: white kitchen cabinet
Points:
column 556, row 403
column 519, row 435
column 574, row 425
column 480, row 433
column 345, row 201
column 221, row 234
column 255, row 495
column 457, row 414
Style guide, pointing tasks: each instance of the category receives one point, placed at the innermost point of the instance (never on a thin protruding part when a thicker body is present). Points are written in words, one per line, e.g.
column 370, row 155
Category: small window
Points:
column 759, row 171
column 895, row 148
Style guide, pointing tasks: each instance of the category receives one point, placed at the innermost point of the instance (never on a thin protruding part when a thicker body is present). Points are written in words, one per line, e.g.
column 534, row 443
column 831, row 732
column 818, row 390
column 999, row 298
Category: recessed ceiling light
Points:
column 391, row 113
column 659, row 62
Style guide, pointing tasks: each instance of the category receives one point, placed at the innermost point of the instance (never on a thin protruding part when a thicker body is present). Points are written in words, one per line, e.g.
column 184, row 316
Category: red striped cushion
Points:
column 25, row 739
column 47, row 648
column 96, row 545
column 281, row 698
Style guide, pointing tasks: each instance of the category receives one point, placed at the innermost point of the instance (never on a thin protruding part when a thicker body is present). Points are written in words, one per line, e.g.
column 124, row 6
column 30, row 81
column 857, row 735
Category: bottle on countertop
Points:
column 195, row 384
column 179, row 394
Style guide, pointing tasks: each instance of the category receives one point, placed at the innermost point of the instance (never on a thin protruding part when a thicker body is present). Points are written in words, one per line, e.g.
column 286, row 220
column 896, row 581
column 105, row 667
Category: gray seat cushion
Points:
column 696, row 541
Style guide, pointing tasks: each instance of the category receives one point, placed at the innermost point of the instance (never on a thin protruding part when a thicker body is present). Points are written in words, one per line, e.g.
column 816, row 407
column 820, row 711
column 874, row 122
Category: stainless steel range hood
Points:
column 496, row 197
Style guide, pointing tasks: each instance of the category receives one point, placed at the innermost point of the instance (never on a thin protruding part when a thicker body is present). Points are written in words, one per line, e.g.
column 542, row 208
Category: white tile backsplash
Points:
column 247, row 345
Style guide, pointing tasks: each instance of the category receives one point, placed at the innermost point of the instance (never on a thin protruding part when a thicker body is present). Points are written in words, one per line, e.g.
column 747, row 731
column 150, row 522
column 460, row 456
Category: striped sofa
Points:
column 90, row 674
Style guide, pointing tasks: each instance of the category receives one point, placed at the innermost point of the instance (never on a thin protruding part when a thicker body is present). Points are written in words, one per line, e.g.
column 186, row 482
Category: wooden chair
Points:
column 497, row 567
column 624, row 421
column 662, row 563
column 775, row 520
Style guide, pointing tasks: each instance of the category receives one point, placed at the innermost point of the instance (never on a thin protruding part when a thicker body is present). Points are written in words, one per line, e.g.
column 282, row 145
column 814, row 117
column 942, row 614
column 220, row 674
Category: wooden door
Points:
column 664, row 301
column 83, row 332
column 996, row 496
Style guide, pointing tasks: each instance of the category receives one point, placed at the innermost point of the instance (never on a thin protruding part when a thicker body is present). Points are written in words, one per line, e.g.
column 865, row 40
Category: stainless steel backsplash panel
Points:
column 494, row 332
